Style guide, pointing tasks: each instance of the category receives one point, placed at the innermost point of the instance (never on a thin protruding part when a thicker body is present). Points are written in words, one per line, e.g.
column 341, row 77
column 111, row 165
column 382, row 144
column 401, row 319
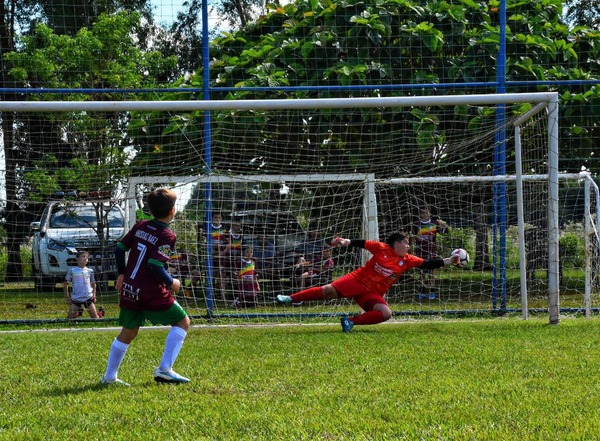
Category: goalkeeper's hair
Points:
column 395, row 237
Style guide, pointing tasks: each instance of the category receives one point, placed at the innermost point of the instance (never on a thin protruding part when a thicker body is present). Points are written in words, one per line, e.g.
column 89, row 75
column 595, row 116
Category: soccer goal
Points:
column 286, row 176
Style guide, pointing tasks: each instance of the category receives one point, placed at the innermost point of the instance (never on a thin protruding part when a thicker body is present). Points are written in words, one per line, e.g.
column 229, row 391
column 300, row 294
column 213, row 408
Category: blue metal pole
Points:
column 500, row 200
column 207, row 159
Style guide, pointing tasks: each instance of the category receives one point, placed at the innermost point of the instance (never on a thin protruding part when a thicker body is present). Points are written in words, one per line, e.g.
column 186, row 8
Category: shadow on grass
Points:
column 78, row 389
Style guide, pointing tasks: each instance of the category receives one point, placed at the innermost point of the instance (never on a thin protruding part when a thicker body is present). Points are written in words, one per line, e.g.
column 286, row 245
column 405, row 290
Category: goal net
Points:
column 286, row 176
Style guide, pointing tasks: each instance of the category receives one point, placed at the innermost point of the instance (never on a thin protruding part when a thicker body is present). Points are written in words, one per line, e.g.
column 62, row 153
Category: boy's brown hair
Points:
column 161, row 201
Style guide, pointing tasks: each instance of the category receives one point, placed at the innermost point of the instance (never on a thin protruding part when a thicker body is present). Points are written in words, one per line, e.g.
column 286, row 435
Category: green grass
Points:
column 499, row 379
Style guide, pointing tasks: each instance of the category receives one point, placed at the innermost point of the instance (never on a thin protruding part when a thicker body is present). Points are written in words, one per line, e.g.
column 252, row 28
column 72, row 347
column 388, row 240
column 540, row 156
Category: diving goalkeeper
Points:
column 368, row 284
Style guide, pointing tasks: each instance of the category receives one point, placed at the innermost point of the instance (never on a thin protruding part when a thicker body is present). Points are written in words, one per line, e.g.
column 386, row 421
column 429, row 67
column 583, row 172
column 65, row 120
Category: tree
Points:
column 583, row 13
column 68, row 17
column 11, row 17
column 86, row 151
column 184, row 37
column 386, row 42
column 237, row 14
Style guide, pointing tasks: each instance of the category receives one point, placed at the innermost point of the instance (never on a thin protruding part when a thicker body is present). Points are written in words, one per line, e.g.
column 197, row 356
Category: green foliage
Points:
column 407, row 42
column 80, row 175
column 103, row 56
column 456, row 238
column 186, row 231
column 25, row 259
column 572, row 246
column 87, row 151
column 513, row 260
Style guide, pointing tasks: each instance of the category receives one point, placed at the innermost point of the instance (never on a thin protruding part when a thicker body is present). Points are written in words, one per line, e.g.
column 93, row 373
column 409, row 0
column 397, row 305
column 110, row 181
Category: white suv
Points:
column 67, row 227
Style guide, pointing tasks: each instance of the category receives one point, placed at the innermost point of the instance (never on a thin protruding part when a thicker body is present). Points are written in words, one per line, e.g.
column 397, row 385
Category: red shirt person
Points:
column 368, row 284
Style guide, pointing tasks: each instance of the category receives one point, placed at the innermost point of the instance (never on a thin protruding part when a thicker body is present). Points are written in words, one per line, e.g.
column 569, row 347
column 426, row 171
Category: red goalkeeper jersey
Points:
column 383, row 269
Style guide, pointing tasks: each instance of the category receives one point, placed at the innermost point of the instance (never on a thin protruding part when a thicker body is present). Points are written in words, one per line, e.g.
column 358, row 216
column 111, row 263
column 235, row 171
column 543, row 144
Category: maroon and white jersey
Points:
column 150, row 243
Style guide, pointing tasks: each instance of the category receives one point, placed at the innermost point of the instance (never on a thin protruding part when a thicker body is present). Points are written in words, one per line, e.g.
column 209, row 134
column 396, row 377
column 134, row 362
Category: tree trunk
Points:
column 482, row 249
column 14, row 269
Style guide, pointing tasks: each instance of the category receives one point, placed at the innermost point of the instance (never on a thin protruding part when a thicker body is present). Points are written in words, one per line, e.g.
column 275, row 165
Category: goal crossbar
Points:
column 277, row 104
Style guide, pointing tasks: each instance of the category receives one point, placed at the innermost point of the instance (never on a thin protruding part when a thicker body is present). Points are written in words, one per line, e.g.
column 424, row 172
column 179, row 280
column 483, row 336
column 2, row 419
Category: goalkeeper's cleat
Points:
column 106, row 381
column 284, row 299
column 347, row 324
column 431, row 296
column 169, row 376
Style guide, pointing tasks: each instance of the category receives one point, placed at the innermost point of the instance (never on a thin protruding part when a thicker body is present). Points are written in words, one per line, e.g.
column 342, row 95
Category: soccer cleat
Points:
column 169, row 376
column 422, row 296
column 105, row 381
column 284, row 299
column 347, row 324
column 100, row 311
column 431, row 296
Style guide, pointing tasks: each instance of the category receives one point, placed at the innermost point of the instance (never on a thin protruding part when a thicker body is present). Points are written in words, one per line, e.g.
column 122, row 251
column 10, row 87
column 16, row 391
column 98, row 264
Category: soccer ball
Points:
column 463, row 257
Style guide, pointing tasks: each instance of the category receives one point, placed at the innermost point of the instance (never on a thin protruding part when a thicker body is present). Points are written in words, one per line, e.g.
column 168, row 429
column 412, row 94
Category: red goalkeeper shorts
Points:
column 349, row 288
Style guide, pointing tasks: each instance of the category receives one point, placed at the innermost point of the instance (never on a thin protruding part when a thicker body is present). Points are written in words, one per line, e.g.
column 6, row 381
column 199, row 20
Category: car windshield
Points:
column 83, row 216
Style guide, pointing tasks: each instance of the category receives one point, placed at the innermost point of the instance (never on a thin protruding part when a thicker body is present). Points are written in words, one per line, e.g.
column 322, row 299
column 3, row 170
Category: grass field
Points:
column 494, row 379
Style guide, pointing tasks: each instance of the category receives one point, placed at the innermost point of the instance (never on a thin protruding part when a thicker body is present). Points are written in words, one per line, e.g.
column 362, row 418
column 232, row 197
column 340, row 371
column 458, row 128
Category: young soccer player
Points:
column 83, row 292
column 368, row 284
column 145, row 288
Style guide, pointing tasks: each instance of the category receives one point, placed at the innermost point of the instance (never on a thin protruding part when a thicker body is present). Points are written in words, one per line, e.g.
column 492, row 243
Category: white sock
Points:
column 173, row 345
column 115, row 358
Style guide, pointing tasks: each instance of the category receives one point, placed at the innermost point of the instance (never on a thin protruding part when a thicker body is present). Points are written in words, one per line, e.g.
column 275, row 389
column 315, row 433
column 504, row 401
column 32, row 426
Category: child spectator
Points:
column 248, row 280
column 219, row 236
column 83, row 292
column 425, row 233
column 236, row 238
column 318, row 272
column 232, row 252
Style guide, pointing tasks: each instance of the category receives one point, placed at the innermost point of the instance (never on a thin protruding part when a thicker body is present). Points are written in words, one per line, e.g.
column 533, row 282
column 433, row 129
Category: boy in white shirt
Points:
column 83, row 292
